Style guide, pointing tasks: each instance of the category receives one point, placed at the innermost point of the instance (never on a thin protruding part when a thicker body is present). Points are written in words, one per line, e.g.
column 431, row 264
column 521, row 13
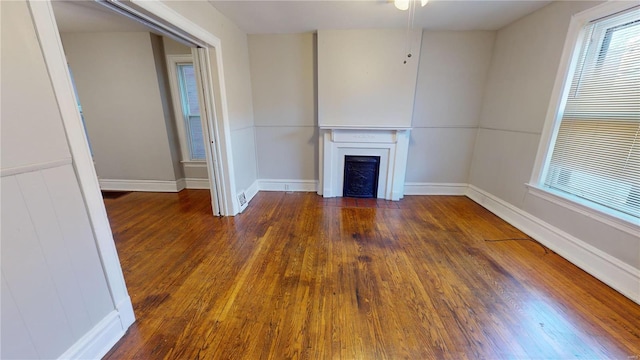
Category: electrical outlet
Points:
column 286, row 187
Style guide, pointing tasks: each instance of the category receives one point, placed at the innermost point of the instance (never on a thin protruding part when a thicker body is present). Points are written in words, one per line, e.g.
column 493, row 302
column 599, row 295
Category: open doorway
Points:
column 208, row 64
column 132, row 111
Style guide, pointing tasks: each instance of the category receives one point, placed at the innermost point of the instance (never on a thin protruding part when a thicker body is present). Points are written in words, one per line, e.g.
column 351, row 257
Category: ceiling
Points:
column 275, row 17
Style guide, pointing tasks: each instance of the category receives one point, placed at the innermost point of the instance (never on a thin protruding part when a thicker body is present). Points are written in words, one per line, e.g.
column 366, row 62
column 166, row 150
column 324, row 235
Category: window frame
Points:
column 185, row 154
column 557, row 103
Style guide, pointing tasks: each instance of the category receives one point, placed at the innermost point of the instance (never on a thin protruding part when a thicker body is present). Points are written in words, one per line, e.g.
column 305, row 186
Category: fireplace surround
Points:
column 390, row 144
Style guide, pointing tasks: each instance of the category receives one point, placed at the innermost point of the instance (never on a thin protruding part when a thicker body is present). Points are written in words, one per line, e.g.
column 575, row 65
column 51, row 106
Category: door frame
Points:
column 210, row 60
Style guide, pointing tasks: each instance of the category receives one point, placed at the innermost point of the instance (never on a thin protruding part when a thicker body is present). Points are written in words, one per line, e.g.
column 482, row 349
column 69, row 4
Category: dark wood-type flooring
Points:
column 297, row 276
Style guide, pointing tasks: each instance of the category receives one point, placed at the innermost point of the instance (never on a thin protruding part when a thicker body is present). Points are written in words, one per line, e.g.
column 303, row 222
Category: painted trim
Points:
column 35, row 167
column 140, row 185
column 176, row 19
column 622, row 277
column 209, row 120
column 567, row 66
column 287, row 185
column 225, row 178
column 586, row 210
column 125, row 312
column 153, row 185
column 180, row 121
column 435, row 188
column 194, row 164
column 193, row 183
column 181, row 184
column 51, row 46
column 98, row 341
column 252, row 191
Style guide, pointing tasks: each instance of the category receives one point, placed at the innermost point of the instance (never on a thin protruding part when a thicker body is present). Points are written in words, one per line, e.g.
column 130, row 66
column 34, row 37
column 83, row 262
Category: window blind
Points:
column 191, row 110
column 596, row 155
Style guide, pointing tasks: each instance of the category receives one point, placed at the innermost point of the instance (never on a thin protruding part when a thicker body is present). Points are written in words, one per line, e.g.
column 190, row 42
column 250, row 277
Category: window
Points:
column 191, row 111
column 595, row 153
column 184, row 92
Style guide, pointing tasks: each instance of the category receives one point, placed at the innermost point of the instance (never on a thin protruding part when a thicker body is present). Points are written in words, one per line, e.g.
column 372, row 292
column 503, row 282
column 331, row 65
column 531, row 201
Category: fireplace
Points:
column 361, row 176
column 389, row 145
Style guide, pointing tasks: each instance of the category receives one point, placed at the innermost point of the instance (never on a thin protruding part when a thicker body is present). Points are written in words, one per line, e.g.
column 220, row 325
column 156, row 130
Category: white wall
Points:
column 363, row 80
column 54, row 289
column 451, row 78
column 521, row 78
column 284, row 103
column 235, row 54
column 117, row 83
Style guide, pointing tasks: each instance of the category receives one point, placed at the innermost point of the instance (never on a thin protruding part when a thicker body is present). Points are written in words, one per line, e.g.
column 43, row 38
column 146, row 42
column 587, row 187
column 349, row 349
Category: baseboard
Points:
column 435, row 188
column 139, row 185
column 287, row 185
column 125, row 312
column 622, row 277
column 99, row 340
column 252, row 190
column 193, row 183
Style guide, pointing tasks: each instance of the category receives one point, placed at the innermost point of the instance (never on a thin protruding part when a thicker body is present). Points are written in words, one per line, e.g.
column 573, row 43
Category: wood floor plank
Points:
column 301, row 277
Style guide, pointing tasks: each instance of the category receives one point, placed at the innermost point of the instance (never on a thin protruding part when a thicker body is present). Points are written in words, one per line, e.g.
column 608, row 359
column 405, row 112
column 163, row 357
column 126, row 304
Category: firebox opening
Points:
column 361, row 176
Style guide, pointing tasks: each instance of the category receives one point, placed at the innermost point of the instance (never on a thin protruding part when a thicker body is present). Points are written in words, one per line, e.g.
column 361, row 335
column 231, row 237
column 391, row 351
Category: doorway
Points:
column 123, row 81
column 208, row 62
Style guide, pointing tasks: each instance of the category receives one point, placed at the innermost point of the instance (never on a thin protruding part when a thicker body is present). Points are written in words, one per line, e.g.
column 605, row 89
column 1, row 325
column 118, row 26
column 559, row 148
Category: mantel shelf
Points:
column 342, row 127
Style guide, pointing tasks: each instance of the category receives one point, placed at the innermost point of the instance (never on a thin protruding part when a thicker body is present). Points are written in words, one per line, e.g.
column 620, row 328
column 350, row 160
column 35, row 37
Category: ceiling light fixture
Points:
column 404, row 4
column 411, row 6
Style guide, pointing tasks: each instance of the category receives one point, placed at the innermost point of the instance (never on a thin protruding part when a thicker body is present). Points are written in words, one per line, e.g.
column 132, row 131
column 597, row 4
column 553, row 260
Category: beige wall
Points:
column 451, row 78
column 450, row 82
column 363, row 79
column 172, row 47
column 117, row 82
column 284, row 98
column 27, row 97
column 170, row 123
column 235, row 57
column 54, row 289
column 517, row 95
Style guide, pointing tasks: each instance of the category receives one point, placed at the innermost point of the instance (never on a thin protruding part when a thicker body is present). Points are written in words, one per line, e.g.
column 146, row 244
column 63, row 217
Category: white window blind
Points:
column 191, row 111
column 596, row 155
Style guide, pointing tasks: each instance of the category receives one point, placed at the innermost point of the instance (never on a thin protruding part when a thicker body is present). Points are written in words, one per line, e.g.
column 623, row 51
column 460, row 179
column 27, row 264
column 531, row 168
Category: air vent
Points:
column 242, row 199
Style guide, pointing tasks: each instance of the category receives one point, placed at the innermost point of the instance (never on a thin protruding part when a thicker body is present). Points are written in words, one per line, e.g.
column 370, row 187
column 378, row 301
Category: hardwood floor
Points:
column 297, row 276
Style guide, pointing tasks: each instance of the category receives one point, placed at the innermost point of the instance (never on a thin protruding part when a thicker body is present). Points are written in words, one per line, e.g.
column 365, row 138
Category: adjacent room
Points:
column 371, row 179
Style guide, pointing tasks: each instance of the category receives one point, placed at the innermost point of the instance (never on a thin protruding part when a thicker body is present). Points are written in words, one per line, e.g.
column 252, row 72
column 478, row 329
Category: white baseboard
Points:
column 139, row 185
column 613, row 272
column 153, row 185
column 125, row 312
column 99, row 340
column 287, row 185
column 252, row 190
column 193, row 183
column 435, row 188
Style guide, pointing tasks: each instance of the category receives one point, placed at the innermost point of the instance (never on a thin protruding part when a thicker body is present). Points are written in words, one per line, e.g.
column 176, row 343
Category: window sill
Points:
column 619, row 220
column 194, row 163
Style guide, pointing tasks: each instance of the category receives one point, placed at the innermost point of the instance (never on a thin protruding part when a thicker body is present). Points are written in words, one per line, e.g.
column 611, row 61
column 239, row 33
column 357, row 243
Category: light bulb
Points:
column 402, row 4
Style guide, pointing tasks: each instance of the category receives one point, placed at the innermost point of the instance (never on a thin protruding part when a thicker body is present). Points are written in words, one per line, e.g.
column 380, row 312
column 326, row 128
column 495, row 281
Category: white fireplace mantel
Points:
column 391, row 144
